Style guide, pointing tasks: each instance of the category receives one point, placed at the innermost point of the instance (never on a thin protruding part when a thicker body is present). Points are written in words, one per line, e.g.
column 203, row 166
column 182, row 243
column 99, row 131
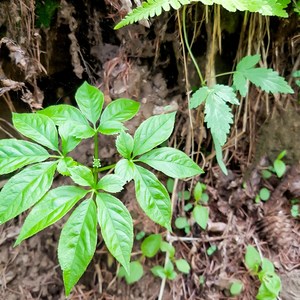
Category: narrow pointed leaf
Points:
column 15, row 154
column 116, row 227
column 153, row 132
column 120, row 110
column 111, row 183
column 82, row 175
column 39, row 128
column 52, row 207
column 124, row 144
column 90, row 101
column 219, row 156
column 25, row 189
column 172, row 162
column 152, row 196
column 77, row 243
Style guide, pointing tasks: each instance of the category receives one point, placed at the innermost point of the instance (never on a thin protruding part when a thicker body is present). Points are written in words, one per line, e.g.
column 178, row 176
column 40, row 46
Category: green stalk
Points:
column 96, row 157
column 106, row 168
column 188, row 46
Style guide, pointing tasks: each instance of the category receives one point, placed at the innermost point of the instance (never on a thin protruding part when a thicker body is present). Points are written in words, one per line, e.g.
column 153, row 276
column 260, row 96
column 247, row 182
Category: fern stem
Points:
column 188, row 46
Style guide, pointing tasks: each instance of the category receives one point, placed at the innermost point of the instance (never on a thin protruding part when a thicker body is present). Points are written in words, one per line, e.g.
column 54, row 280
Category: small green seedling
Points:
column 201, row 280
column 265, row 271
column 151, row 245
column 136, row 272
column 139, row 236
column 61, row 128
column 183, row 223
column 266, row 174
column 211, row 250
column 236, row 288
column 200, row 212
column 295, row 208
column 279, row 165
column 264, row 194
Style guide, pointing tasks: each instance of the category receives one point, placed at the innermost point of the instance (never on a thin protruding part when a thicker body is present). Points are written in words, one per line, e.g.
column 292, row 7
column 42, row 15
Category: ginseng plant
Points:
column 90, row 198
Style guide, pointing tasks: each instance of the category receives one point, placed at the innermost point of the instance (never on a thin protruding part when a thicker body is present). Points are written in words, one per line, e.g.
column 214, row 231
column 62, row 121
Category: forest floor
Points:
column 146, row 65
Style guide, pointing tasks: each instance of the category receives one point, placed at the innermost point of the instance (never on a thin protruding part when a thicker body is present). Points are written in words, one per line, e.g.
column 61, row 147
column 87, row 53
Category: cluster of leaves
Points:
column 200, row 211
column 218, row 115
column 150, row 246
column 44, row 11
column 152, row 8
column 31, row 186
column 278, row 168
column 265, row 271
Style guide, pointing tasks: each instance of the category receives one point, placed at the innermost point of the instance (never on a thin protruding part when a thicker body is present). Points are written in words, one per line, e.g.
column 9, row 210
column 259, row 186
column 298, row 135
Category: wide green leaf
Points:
column 82, row 175
column 15, row 154
column 64, row 164
column 152, row 196
column 120, row 110
column 201, row 215
column 90, row 101
column 63, row 113
column 111, row 183
column 25, row 189
column 252, row 259
column 124, row 144
column 135, row 274
column 125, row 168
column 111, row 127
column 151, row 245
column 172, row 162
column 37, row 127
column 52, row 207
column 153, row 132
column 77, row 243
column 116, row 227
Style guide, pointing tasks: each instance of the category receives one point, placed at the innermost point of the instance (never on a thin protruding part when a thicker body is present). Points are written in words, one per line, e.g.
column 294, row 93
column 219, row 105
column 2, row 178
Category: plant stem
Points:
column 163, row 282
column 223, row 74
column 106, row 168
column 188, row 46
column 96, row 157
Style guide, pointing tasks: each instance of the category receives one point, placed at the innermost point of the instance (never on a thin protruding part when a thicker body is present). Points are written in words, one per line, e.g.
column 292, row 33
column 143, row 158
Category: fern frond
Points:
column 149, row 9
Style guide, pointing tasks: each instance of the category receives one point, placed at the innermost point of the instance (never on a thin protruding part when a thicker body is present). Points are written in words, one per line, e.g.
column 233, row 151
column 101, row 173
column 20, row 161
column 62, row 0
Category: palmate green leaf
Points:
column 217, row 113
column 25, row 189
column 52, row 207
column 90, row 101
column 152, row 196
column 124, row 144
column 125, row 169
column 37, row 127
column 267, row 79
column 153, row 132
column 116, row 227
column 82, row 175
column 172, row 162
column 77, row 243
column 63, row 113
column 111, row 183
column 15, row 154
column 120, row 110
